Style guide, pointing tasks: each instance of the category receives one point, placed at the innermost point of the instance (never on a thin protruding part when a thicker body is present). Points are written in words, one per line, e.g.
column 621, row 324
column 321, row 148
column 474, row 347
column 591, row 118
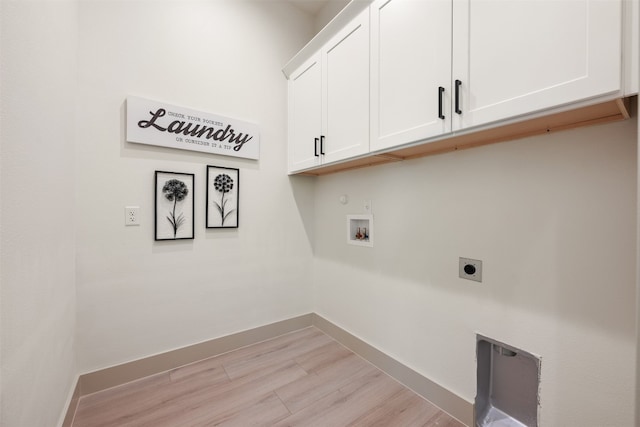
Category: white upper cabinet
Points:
column 305, row 112
column 345, row 62
column 514, row 57
column 439, row 66
column 410, row 62
column 329, row 100
column 406, row 72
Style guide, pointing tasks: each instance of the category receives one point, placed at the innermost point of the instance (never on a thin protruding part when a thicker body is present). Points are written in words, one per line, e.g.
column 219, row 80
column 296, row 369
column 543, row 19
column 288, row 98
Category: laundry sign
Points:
column 156, row 123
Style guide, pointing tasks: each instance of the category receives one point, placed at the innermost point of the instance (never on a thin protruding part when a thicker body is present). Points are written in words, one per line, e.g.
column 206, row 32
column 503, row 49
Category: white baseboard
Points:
column 71, row 404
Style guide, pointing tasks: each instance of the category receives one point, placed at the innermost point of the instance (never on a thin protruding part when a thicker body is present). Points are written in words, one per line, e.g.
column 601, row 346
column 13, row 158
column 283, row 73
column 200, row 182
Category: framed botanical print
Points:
column 174, row 205
column 223, row 191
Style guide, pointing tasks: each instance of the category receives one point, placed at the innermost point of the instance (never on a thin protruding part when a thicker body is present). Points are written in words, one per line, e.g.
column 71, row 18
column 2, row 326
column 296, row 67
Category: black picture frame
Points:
column 223, row 183
column 174, row 205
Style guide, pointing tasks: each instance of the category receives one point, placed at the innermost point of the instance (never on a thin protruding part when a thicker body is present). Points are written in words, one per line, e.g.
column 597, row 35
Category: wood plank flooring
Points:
column 304, row 378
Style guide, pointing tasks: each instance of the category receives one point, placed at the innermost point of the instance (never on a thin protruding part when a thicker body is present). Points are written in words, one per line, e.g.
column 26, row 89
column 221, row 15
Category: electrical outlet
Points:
column 367, row 206
column 470, row 269
column 132, row 215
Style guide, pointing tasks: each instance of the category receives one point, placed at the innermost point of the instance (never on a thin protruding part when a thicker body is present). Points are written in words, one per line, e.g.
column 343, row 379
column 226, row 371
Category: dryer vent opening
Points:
column 507, row 385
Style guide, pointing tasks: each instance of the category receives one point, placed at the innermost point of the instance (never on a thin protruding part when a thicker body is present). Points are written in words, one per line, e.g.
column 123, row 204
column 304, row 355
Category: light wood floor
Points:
column 304, row 378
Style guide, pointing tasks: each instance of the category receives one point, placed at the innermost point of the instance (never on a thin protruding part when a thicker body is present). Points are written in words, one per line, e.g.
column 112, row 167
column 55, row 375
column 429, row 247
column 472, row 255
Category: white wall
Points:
column 551, row 217
column 37, row 241
column 137, row 297
column 328, row 12
column 638, row 283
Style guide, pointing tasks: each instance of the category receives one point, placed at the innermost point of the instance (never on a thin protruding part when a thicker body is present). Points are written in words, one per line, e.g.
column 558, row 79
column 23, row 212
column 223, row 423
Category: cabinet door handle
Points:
column 322, row 144
column 458, row 110
column 440, row 92
column 315, row 147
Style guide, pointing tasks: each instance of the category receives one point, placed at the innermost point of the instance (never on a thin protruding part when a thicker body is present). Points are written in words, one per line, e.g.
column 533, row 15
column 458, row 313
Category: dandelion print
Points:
column 175, row 191
column 223, row 183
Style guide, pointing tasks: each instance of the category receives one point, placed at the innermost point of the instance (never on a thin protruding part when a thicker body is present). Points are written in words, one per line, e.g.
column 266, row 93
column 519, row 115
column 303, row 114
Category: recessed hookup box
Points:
column 508, row 381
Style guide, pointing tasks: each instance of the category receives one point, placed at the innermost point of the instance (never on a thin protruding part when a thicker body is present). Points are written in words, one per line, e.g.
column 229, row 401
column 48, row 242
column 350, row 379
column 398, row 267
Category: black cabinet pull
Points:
column 322, row 144
column 458, row 110
column 315, row 147
column 440, row 92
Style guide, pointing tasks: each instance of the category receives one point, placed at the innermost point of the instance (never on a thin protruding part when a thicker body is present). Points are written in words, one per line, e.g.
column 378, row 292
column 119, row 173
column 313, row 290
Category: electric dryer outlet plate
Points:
column 470, row 269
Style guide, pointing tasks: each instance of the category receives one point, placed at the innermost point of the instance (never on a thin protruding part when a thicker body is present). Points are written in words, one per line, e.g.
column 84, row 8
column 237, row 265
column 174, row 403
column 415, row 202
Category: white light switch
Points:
column 132, row 215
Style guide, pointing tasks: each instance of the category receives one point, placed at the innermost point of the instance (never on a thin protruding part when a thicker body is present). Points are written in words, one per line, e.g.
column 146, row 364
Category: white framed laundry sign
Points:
column 156, row 123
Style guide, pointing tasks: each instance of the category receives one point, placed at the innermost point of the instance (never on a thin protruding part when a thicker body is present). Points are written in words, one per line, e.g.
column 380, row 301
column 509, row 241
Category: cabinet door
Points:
column 410, row 60
column 514, row 57
column 305, row 111
column 346, row 91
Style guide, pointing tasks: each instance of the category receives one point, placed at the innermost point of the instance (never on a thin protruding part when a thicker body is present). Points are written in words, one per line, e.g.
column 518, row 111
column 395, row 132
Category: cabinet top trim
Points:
column 349, row 12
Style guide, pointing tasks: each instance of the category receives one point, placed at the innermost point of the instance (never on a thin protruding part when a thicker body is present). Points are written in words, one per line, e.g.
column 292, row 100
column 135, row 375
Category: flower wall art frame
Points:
column 174, row 205
column 223, row 193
